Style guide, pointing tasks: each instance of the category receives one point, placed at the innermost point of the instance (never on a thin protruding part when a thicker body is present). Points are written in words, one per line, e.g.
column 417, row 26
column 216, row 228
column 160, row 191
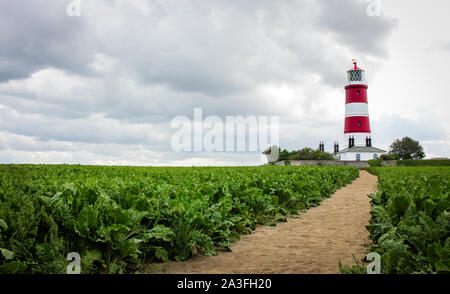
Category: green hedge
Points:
column 411, row 162
column 375, row 162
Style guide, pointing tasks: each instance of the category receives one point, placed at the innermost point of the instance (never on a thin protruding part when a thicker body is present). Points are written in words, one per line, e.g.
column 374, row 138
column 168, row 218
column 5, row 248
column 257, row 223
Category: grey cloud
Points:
column 216, row 50
column 389, row 128
column 169, row 57
column 229, row 47
column 16, row 142
column 398, row 127
column 349, row 22
column 36, row 34
column 443, row 46
column 96, row 129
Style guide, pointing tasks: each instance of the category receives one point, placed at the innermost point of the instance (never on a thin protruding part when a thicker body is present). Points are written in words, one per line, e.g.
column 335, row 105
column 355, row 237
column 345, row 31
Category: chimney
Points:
column 351, row 142
column 336, row 147
column 321, row 146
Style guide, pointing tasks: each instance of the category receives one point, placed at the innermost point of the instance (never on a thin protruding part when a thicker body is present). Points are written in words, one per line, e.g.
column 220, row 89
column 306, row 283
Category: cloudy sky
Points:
column 104, row 87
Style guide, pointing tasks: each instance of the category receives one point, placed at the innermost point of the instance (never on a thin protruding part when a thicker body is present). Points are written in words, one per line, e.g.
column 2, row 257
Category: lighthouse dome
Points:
column 356, row 76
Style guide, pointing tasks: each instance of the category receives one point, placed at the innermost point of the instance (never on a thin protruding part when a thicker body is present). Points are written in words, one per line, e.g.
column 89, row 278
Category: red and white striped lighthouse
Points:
column 357, row 123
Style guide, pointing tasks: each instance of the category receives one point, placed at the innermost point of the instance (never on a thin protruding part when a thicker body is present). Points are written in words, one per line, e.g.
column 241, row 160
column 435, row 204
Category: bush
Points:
column 389, row 156
column 306, row 154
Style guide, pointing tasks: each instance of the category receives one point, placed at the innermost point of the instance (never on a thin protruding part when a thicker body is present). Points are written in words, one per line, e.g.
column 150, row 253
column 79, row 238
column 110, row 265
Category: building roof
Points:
column 361, row 149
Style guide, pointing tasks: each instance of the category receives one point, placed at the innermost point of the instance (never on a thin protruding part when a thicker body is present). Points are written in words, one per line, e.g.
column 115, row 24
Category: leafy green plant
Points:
column 411, row 220
column 358, row 268
column 118, row 218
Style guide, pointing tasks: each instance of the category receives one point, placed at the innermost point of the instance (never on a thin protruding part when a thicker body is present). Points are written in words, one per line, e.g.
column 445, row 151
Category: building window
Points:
column 358, row 157
column 375, row 156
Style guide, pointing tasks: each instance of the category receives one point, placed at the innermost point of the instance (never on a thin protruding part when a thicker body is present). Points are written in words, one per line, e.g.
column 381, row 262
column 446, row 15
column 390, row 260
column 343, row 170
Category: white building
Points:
column 362, row 153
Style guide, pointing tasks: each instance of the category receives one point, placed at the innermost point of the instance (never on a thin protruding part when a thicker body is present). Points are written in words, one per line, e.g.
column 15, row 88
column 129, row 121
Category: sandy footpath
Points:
column 312, row 242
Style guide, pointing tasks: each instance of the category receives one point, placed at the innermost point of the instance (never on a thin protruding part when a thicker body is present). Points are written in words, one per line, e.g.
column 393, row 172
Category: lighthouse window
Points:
column 358, row 92
column 359, row 124
column 356, row 75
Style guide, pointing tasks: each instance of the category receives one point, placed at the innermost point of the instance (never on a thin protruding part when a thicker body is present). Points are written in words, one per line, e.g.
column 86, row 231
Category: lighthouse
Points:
column 357, row 132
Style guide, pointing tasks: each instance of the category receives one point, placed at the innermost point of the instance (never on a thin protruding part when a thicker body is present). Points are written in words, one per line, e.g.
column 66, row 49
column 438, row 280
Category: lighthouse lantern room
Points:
column 357, row 130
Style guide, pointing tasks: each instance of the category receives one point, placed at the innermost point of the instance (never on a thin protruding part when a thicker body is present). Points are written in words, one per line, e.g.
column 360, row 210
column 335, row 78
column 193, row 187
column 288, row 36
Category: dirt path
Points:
column 312, row 242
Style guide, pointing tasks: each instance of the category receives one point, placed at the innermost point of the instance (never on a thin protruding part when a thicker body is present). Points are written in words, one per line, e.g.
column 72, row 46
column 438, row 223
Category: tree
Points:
column 310, row 154
column 407, row 148
column 303, row 154
column 284, row 155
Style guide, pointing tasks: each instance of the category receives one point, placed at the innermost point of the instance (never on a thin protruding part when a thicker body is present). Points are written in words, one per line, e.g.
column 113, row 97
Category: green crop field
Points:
column 411, row 220
column 118, row 218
